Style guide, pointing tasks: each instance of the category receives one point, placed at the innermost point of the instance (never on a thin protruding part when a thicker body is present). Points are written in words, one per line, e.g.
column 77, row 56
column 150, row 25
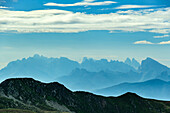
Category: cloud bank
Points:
column 83, row 3
column 63, row 21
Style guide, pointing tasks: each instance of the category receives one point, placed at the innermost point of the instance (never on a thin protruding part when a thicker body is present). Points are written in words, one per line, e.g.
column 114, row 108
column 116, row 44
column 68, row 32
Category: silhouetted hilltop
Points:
column 29, row 94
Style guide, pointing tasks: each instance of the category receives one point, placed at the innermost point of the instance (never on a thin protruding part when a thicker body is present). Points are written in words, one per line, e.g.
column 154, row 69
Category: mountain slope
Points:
column 156, row 88
column 26, row 93
column 150, row 69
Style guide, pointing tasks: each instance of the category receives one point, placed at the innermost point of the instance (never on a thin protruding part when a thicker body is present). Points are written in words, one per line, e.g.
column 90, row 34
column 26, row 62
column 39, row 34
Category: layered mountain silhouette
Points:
column 82, row 76
column 81, row 79
column 26, row 95
column 155, row 88
column 48, row 69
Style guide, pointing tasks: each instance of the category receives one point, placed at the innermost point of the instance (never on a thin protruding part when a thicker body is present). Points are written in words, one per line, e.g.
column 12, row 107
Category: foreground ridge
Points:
column 22, row 94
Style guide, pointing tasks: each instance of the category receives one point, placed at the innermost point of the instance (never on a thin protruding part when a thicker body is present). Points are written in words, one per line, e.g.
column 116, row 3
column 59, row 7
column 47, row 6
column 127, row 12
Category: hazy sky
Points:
column 92, row 28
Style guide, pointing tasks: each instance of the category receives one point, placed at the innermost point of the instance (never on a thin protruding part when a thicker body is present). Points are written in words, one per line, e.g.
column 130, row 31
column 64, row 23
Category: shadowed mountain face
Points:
column 156, row 89
column 35, row 96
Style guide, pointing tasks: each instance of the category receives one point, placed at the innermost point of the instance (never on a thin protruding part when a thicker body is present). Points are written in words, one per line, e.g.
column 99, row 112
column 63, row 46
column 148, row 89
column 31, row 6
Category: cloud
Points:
column 3, row 7
column 164, row 42
column 134, row 6
column 163, row 36
column 83, row 3
column 66, row 21
column 147, row 42
column 143, row 42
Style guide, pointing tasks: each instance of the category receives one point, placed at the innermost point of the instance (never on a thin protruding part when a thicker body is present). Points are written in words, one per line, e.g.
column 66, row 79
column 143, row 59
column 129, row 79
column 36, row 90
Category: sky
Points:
column 85, row 28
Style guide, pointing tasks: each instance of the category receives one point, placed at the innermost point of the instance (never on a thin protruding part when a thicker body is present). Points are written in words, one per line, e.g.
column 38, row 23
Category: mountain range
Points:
column 39, row 67
column 155, row 88
column 48, row 69
column 81, row 79
column 26, row 95
column 97, row 73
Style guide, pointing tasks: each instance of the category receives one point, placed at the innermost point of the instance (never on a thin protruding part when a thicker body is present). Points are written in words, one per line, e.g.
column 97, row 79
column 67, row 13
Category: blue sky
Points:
column 92, row 28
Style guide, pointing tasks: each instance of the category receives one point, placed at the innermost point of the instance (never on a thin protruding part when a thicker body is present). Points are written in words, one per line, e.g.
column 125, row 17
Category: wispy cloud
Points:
column 83, row 3
column 134, row 6
column 157, row 21
column 143, row 42
column 148, row 42
column 3, row 7
column 163, row 36
column 164, row 42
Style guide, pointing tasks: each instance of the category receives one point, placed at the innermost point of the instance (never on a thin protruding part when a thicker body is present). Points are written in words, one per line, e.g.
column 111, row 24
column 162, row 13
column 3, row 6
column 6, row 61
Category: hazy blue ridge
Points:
column 49, row 69
column 134, row 63
column 155, row 88
column 81, row 79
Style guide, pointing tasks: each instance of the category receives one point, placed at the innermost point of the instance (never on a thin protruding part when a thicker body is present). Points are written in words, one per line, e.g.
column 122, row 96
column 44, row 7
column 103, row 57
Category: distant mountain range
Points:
column 25, row 95
column 81, row 79
column 82, row 76
column 48, row 69
column 155, row 88
column 104, row 65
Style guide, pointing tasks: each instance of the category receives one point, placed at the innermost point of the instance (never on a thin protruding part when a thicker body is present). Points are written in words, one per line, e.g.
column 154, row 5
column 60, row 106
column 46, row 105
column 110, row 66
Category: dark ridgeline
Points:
column 29, row 94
